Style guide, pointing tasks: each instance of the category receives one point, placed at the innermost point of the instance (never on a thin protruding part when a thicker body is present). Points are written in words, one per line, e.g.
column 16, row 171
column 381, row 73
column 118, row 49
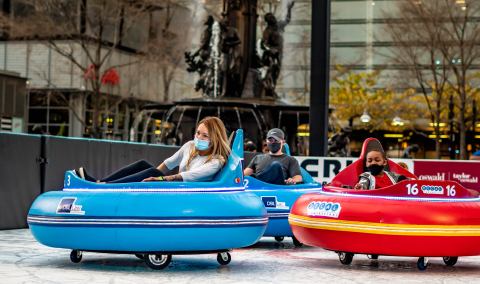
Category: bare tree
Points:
column 460, row 46
column 166, row 45
column 85, row 32
column 416, row 29
column 439, row 43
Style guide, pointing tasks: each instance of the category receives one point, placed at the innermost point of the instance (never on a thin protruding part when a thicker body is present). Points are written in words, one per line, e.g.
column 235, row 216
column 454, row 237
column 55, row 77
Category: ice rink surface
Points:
column 23, row 260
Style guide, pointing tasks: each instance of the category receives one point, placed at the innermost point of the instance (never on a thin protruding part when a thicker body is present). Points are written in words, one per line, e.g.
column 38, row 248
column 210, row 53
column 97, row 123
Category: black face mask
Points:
column 274, row 147
column 375, row 169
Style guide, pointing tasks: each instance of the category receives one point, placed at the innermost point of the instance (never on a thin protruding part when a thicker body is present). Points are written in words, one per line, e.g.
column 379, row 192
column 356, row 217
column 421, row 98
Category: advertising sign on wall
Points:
column 467, row 173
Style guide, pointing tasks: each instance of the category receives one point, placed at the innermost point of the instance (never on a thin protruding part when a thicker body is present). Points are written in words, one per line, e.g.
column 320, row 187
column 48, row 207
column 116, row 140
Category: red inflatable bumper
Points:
column 411, row 218
column 380, row 224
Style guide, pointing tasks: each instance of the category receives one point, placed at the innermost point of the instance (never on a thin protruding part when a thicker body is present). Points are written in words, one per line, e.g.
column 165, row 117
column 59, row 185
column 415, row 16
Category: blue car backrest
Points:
column 232, row 170
column 307, row 178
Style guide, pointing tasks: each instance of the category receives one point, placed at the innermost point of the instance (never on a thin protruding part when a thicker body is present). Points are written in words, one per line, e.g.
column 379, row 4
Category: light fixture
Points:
column 397, row 121
column 440, row 124
column 365, row 118
column 435, row 136
column 393, row 135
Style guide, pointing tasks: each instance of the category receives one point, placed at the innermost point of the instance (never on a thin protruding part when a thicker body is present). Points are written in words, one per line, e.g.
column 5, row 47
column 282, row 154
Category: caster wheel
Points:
column 422, row 263
column 450, row 260
column 296, row 242
column 224, row 258
column 279, row 239
column 373, row 256
column 76, row 256
column 158, row 261
column 140, row 256
column 345, row 257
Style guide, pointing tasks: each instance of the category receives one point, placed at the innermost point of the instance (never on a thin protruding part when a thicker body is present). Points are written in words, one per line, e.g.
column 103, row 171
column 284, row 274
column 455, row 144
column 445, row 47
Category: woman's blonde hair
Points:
column 218, row 140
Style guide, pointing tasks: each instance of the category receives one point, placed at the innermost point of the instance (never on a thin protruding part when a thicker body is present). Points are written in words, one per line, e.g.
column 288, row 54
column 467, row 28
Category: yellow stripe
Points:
column 384, row 229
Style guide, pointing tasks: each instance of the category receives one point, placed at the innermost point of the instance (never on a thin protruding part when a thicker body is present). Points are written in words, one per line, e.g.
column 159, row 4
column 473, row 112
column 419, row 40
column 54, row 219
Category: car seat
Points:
column 348, row 177
column 306, row 177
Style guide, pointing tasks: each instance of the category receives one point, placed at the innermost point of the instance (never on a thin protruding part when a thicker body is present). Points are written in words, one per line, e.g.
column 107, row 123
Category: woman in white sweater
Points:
column 198, row 160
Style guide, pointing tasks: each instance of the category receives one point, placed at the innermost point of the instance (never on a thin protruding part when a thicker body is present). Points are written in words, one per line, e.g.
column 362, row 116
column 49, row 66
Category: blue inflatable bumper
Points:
column 147, row 221
column 278, row 201
column 152, row 217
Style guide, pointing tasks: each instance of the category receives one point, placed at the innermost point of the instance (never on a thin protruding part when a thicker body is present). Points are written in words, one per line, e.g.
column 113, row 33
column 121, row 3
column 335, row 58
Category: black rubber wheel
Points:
column 450, row 260
column 422, row 263
column 345, row 257
column 296, row 242
column 279, row 239
column 224, row 258
column 76, row 256
column 140, row 256
column 158, row 261
column 373, row 256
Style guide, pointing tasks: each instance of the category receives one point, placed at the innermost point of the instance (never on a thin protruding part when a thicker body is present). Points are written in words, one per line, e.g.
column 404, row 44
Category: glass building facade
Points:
column 61, row 101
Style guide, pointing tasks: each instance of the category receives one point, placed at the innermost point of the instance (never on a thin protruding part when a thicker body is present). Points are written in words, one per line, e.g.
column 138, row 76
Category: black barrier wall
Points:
column 99, row 157
column 64, row 154
column 20, row 179
column 32, row 164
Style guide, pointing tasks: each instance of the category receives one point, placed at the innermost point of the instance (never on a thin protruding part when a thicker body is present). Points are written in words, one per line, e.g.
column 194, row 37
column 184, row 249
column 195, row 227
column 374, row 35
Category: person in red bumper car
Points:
column 375, row 174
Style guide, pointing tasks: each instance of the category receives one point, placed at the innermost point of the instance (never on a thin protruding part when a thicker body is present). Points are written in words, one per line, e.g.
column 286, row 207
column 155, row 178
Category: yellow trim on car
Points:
column 383, row 228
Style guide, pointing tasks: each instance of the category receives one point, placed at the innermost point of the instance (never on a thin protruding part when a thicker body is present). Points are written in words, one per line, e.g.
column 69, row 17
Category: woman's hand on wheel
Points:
column 290, row 181
column 160, row 178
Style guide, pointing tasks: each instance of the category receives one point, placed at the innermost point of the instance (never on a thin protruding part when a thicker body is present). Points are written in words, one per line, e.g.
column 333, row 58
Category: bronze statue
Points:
column 231, row 60
column 218, row 60
column 272, row 47
column 199, row 61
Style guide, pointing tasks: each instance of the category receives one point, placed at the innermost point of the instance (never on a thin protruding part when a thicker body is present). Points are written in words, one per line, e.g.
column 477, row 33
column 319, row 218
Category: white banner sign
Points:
column 323, row 169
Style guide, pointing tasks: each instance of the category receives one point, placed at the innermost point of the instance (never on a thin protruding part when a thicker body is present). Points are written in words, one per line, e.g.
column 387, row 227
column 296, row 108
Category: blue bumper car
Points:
column 152, row 220
column 278, row 201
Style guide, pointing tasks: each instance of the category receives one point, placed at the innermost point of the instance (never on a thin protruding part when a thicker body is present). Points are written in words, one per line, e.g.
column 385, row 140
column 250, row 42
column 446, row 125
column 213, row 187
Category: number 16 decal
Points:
column 412, row 189
column 451, row 190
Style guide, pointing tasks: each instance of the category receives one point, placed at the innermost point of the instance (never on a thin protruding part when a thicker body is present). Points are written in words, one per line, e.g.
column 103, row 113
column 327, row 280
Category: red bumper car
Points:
column 411, row 218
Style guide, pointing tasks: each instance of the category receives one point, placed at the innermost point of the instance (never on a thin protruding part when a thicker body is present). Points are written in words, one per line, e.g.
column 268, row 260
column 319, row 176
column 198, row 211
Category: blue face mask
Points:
column 201, row 145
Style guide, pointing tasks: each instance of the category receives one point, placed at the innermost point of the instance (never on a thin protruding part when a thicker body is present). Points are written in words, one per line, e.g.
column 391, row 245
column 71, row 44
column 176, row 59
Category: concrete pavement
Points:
column 23, row 260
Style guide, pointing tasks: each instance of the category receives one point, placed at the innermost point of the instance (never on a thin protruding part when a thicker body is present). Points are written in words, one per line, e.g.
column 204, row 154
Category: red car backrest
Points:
column 349, row 176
